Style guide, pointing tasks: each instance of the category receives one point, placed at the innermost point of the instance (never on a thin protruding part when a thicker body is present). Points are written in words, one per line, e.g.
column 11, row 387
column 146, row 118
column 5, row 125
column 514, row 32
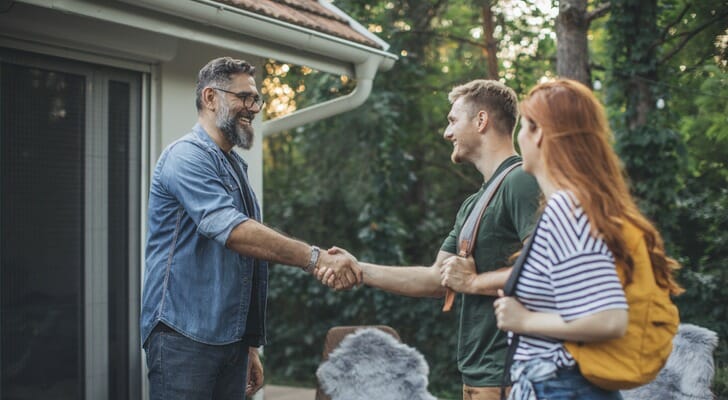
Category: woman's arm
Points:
column 603, row 325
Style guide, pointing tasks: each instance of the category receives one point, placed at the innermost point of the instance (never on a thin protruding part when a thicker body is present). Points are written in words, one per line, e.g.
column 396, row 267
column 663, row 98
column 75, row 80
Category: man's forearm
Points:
column 406, row 281
column 488, row 283
column 256, row 240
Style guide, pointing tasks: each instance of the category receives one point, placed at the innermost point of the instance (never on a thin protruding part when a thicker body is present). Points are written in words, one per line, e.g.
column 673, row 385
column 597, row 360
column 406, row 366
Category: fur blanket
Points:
column 689, row 371
column 370, row 364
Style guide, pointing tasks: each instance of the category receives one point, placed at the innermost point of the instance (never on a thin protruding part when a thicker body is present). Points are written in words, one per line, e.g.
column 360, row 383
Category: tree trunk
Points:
column 491, row 46
column 572, row 51
column 642, row 102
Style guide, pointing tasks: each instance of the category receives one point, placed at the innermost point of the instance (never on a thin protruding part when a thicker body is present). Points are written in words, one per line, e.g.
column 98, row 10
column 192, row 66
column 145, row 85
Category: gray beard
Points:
column 241, row 136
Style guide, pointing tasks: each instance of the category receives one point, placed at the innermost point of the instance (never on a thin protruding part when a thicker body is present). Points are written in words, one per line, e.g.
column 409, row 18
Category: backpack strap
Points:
column 510, row 290
column 469, row 231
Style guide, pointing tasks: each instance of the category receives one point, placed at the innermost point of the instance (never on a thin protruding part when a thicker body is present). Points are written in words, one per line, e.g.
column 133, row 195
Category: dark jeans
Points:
column 183, row 369
column 569, row 384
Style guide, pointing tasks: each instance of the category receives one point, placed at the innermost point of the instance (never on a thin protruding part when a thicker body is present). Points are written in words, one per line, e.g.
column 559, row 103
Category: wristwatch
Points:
column 315, row 251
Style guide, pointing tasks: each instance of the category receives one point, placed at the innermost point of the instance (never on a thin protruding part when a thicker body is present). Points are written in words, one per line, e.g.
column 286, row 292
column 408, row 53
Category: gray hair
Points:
column 218, row 72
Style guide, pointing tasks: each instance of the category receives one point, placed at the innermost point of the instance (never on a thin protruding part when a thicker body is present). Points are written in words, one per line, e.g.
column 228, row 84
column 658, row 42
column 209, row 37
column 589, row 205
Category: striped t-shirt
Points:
column 568, row 272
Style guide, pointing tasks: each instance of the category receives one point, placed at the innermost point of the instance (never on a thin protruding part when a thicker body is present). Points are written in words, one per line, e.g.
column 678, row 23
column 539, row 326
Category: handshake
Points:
column 338, row 269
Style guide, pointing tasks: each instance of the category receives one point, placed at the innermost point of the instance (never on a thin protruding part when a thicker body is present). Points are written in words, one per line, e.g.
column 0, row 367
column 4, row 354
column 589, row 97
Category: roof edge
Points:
column 355, row 24
column 213, row 13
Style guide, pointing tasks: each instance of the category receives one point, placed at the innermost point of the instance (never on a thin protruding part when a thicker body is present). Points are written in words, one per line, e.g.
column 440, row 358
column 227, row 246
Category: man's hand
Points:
column 459, row 274
column 338, row 269
column 255, row 373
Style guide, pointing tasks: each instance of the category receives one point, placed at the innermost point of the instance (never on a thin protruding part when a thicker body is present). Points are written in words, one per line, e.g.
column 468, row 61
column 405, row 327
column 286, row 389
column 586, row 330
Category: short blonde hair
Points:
column 495, row 98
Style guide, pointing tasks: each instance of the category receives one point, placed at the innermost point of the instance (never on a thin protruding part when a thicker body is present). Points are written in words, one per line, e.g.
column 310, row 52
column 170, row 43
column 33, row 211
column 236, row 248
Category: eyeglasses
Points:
column 247, row 98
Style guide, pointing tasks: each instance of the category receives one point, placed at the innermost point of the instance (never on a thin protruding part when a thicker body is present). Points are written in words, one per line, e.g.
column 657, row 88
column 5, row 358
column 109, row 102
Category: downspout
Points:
column 364, row 75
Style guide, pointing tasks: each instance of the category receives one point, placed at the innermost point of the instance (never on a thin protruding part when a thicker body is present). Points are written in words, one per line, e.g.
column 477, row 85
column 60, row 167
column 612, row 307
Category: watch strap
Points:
column 315, row 252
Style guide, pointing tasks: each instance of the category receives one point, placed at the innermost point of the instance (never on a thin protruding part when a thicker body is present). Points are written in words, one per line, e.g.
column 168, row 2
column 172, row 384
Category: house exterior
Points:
column 91, row 91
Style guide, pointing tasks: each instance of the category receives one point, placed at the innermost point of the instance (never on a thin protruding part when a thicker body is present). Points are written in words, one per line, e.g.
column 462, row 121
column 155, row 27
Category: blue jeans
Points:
column 540, row 379
column 183, row 369
column 570, row 384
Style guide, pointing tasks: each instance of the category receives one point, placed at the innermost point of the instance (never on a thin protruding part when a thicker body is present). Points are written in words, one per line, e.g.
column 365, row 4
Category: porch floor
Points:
column 273, row 392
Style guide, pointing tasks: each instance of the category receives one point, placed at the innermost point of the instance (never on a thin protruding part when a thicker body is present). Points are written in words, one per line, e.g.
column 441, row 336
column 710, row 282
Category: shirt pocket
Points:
column 231, row 186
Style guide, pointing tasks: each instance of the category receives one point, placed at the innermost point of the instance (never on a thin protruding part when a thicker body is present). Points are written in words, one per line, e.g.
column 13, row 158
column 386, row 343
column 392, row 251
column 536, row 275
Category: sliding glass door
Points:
column 69, row 229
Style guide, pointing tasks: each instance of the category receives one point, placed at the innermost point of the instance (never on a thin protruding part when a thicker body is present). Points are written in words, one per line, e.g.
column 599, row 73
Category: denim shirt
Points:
column 192, row 282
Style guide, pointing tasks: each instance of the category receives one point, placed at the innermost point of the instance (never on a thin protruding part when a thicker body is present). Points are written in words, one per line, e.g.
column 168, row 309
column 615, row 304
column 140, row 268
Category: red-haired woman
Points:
column 569, row 288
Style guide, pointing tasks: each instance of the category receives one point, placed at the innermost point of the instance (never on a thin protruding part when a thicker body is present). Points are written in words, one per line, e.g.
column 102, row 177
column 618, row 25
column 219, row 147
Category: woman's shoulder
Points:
column 563, row 204
column 565, row 218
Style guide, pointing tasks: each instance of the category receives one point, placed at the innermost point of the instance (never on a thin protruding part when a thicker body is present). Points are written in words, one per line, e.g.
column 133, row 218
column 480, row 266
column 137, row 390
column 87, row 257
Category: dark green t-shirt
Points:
column 507, row 222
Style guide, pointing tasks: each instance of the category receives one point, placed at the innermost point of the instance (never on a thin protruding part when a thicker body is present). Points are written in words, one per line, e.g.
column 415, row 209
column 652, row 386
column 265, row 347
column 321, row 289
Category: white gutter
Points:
column 221, row 25
column 364, row 74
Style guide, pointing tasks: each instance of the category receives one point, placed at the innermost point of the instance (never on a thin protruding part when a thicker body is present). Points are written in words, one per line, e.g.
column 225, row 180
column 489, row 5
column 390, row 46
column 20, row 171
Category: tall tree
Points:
column 491, row 45
column 572, row 50
column 644, row 36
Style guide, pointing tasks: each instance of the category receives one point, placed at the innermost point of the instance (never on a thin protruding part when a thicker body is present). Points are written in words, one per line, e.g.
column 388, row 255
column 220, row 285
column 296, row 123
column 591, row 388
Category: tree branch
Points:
column 445, row 36
column 598, row 12
column 663, row 35
column 687, row 35
column 701, row 61
column 432, row 12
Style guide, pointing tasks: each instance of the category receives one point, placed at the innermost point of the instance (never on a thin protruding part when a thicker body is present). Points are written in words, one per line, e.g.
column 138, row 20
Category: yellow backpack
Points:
column 637, row 357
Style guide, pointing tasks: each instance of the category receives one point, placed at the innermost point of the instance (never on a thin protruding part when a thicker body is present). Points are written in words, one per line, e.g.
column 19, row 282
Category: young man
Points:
column 481, row 124
column 206, row 276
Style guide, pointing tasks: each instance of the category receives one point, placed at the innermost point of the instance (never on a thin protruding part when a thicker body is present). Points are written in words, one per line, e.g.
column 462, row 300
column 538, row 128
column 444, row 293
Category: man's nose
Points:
column 255, row 108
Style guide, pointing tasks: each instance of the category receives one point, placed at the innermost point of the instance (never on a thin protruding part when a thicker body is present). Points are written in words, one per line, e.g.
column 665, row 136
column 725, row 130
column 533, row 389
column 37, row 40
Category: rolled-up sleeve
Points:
column 190, row 173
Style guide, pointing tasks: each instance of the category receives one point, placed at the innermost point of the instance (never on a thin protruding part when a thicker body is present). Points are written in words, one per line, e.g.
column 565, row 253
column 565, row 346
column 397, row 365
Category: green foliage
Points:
column 676, row 155
column 654, row 159
column 720, row 381
column 379, row 182
column 298, row 330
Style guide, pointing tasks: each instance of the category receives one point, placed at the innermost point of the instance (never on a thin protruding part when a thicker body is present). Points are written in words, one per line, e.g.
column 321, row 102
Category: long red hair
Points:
column 578, row 156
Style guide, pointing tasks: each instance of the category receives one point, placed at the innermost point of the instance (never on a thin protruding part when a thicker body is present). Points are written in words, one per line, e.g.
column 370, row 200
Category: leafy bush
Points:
column 720, row 382
column 302, row 311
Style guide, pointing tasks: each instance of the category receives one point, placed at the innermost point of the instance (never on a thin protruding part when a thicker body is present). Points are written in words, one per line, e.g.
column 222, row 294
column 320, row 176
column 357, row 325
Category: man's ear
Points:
column 208, row 98
column 482, row 120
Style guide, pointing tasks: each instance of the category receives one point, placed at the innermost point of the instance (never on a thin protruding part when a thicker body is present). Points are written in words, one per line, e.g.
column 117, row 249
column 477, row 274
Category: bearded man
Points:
column 207, row 253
